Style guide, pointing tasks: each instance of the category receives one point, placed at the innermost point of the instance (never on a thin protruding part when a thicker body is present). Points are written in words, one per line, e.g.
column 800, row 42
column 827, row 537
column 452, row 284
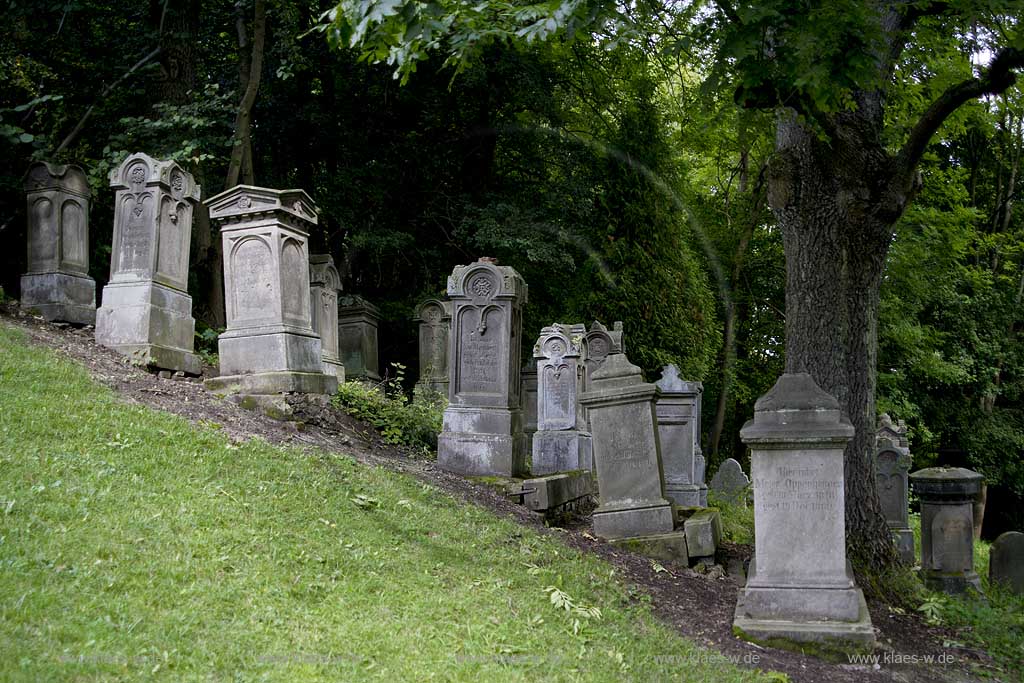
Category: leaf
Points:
column 657, row 568
column 26, row 137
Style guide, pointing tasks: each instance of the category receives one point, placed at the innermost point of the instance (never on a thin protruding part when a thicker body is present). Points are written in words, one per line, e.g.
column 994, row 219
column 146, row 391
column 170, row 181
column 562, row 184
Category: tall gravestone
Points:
column 678, row 412
column 1006, row 562
column 435, row 319
column 528, row 402
column 561, row 442
column 947, row 527
column 800, row 586
column 269, row 346
column 147, row 312
column 324, row 285
column 626, row 452
column 892, row 469
column 482, row 432
column 358, row 321
column 57, row 283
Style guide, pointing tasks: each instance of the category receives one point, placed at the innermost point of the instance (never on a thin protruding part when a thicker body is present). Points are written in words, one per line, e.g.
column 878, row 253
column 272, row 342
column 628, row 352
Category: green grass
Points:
column 136, row 546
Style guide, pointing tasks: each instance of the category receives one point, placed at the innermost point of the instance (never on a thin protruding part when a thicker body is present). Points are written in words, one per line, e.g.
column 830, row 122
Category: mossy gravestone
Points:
column 324, row 286
column 1006, row 562
column 947, row 527
column 561, row 442
column 679, row 431
column 358, row 321
column 892, row 466
column 435, row 320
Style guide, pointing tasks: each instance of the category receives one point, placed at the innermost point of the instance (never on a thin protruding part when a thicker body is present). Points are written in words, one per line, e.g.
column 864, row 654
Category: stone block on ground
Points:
column 669, row 547
column 541, row 494
column 703, row 533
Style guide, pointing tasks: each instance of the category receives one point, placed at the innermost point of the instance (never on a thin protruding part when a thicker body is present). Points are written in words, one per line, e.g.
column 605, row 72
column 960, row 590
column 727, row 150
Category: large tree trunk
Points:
column 240, row 167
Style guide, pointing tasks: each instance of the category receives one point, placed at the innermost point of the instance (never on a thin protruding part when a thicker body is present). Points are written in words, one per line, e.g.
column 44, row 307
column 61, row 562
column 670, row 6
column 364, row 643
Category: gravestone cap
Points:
column 946, row 483
column 617, row 371
column 671, row 381
column 796, row 409
column 247, row 200
column 42, row 175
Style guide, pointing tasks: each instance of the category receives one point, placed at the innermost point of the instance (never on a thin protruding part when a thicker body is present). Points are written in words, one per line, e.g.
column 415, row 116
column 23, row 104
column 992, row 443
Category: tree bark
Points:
column 240, row 166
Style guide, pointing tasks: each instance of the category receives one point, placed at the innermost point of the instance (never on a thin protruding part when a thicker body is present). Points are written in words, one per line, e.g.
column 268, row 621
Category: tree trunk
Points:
column 240, row 166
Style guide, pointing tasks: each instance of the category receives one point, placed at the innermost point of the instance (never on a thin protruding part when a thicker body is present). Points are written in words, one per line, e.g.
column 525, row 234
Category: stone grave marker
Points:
column 892, row 468
column 324, row 286
column 358, row 320
column 1006, row 562
column 947, row 527
column 678, row 412
column 561, row 442
column 146, row 311
column 57, row 283
column 435, row 320
column 730, row 483
column 528, row 399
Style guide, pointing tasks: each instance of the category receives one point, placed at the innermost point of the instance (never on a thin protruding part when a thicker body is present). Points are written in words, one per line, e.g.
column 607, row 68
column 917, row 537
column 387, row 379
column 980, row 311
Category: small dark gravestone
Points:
column 947, row 527
column 892, row 465
column 561, row 442
column 1006, row 562
column 435, row 320
column 358, row 321
column 730, row 483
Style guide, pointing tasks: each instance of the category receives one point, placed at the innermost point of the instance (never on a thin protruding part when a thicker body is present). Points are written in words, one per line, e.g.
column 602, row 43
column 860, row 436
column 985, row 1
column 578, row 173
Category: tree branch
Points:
column 729, row 11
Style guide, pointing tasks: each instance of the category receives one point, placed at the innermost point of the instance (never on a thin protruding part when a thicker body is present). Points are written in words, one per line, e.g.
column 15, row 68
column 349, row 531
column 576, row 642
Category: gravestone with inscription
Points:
column 358, row 320
column 147, row 312
column 528, row 400
column 947, row 527
column 679, row 431
column 626, row 452
column 269, row 346
column 892, row 467
column 1006, row 562
column 324, row 285
column 800, row 586
column 562, row 442
column 482, row 431
column 435, row 320
column 730, row 482
column 57, row 283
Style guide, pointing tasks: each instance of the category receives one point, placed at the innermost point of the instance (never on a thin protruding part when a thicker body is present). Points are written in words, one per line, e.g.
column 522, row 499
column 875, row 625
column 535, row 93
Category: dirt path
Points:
column 698, row 607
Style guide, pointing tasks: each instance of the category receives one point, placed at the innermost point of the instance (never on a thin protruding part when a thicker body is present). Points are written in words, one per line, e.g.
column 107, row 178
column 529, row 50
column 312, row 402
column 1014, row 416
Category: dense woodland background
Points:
column 612, row 180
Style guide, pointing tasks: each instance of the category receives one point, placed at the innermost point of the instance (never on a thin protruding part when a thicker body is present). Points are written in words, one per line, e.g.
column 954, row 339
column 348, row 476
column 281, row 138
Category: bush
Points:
column 737, row 519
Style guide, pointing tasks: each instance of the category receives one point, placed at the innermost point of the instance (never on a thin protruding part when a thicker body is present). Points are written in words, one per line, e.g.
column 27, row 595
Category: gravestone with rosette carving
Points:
column 435, row 320
column 679, row 430
column 561, row 442
column 147, row 312
column 483, row 424
column 269, row 346
column 358, row 321
column 892, row 468
column 57, row 283
column 324, row 285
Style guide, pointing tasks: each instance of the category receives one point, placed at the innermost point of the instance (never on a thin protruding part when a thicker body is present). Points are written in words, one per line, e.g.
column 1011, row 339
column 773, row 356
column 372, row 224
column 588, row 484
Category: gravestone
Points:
column 147, row 312
column 482, row 432
column 800, row 586
column 269, row 346
column 1006, row 562
column 324, row 286
column 435, row 320
column 947, row 527
column 528, row 399
column 678, row 412
column 357, row 338
column 892, row 467
column 57, row 283
column 561, row 442
column 730, row 482
column 626, row 452
column 599, row 344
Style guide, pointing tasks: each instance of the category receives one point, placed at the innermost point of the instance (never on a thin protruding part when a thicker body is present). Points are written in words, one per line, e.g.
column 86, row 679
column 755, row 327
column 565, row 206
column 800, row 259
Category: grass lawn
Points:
column 135, row 545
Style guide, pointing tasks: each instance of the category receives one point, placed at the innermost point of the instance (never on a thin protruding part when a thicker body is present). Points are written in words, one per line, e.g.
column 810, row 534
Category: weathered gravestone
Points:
column 1006, row 562
column 528, row 401
column 599, row 344
column 269, row 346
column 561, row 442
column 358, row 320
column 147, row 312
column 678, row 412
column 892, row 467
column 324, row 285
column 57, row 283
column 800, row 586
column 947, row 527
column 482, row 432
column 435, row 320
column 730, row 482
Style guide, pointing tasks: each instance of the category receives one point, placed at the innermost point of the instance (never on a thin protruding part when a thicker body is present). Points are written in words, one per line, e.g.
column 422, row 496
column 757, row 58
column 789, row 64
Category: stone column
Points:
column 947, row 527
column 57, row 283
column 435, row 320
column 269, row 346
column 483, row 424
column 561, row 442
column 147, row 312
column 627, row 453
column 357, row 337
column 679, row 431
column 892, row 466
column 324, row 285
column 800, row 586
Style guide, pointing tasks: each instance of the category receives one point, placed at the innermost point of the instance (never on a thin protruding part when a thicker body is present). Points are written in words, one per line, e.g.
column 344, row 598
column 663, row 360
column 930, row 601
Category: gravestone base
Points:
column 334, row 369
column 670, row 547
column 275, row 349
column 63, row 297
column 482, row 441
column 618, row 521
column 561, row 451
column 279, row 382
column 686, row 495
column 956, row 583
column 905, row 545
column 150, row 323
column 858, row 634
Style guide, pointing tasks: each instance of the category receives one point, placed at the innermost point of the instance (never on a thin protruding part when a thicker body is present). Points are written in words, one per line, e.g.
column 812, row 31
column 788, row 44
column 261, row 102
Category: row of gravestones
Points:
column 287, row 327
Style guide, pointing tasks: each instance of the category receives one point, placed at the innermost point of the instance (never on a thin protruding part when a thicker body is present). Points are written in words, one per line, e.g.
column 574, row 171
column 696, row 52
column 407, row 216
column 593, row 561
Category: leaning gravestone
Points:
column 679, row 431
column 358, row 320
column 57, row 283
column 147, row 312
column 269, row 346
column 1006, row 562
column 324, row 285
column 561, row 442
column 947, row 527
column 435, row 320
column 800, row 586
column 730, row 483
column 482, row 432
column 892, row 467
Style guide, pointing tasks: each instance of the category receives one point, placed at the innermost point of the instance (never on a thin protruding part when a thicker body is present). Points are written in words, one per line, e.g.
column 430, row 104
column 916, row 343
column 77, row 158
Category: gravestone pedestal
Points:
column 800, row 586
column 269, row 346
column 561, row 442
column 57, row 283
column 358, row 320
column 324, row 285
column 679, row 431
column 435, row 319
column 947, row 527
column 147, row 312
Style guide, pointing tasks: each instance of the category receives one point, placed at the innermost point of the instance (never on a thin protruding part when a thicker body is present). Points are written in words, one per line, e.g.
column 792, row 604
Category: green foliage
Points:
column 737, row 519
column 205, row 343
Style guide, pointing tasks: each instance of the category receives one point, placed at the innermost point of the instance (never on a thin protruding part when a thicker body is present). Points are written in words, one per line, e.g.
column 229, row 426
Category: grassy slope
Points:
column 134, row 545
